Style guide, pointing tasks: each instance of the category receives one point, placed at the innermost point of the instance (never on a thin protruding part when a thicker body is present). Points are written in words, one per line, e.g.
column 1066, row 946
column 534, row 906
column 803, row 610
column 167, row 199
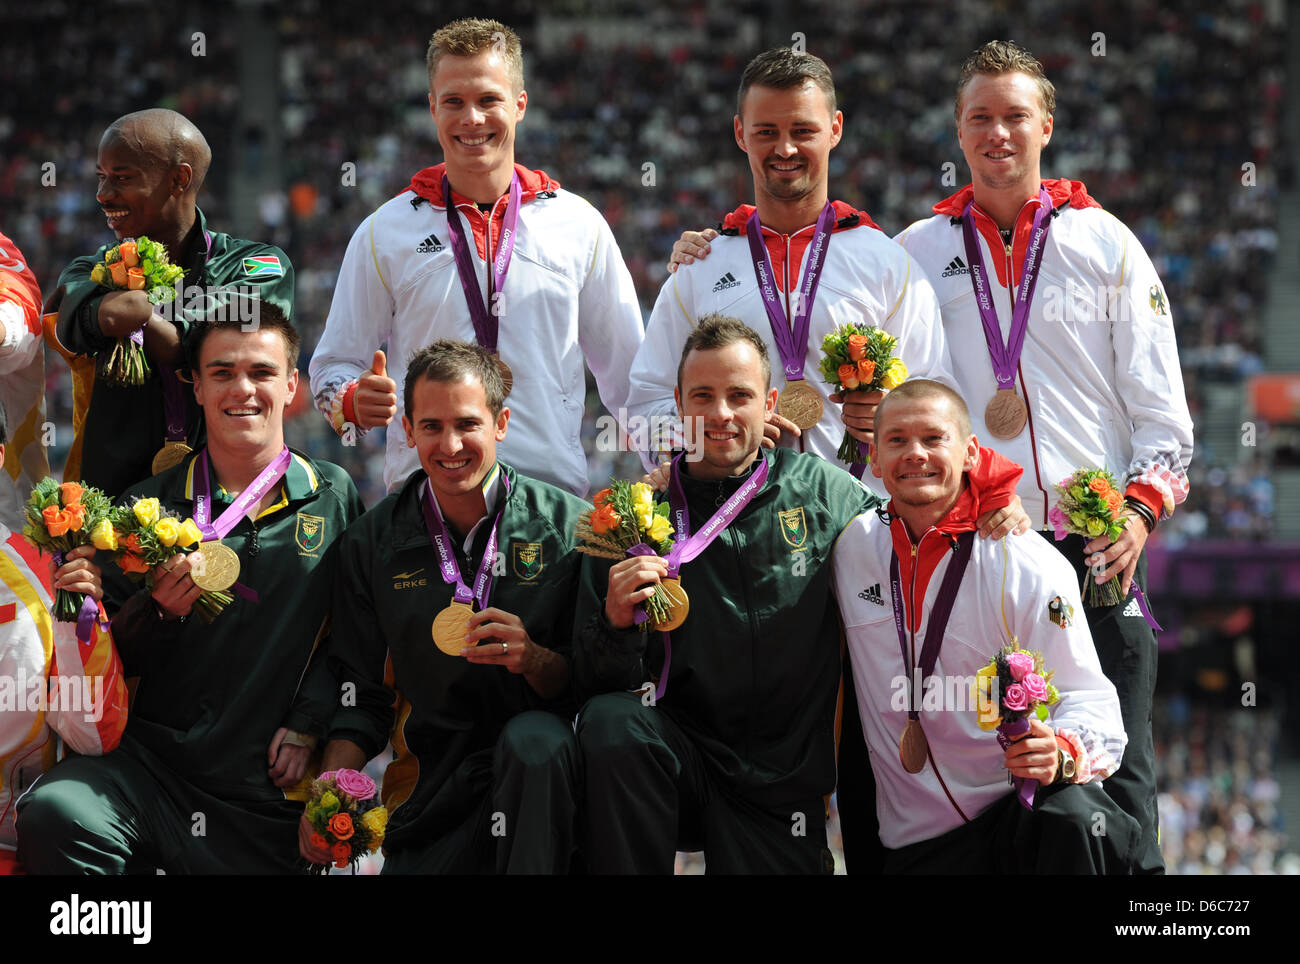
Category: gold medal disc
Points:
column 1005, row 414
column 172, row 453
column 679, row 604
column 220, row 568
column 507, row 376
column 913, row 748
column 450, row 627
column 800, row 403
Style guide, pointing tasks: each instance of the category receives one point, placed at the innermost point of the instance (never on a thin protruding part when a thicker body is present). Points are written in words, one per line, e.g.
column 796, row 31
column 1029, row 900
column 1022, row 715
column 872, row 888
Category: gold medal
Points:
column 450, row 627
column 800, row 403
column 1005, row 414
column 219, row 570
column 507, row 376
column 172, row 453
column 913, row 747
column 679, row 604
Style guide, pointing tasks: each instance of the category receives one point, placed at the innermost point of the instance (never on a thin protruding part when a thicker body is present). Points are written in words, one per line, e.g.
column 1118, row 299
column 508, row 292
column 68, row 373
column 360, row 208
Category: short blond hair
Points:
column 465, row 38
column 1006, row 57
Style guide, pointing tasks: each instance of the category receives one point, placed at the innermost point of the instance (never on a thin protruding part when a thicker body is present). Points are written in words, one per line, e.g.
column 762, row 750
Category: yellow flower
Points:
column 660, row 529
column 895, row 375
column 645, row 515
column 1096, row 527
column 643, row 495
column 147, row 511
column 104, row 536
column 987, row 712
column 190, row 534
column 167, row 531
column 376, row 821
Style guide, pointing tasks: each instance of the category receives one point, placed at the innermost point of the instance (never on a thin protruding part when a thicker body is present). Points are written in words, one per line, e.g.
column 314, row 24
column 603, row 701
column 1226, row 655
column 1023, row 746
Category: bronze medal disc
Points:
column 507, row 375
column 172, row 453
column 1006, row 414
column 220, row 568
column 800, row 403
column 913, row 748
column 679, row 604
column 449, row 627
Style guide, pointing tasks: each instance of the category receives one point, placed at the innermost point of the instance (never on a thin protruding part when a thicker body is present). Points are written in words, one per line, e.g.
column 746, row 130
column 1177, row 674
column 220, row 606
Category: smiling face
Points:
column 244, row 383
column 788, row 136
column 453, row 431
column 921, row 456
column 724, row 397
column 476, row 108
column 1002, row 128
column 138, row 193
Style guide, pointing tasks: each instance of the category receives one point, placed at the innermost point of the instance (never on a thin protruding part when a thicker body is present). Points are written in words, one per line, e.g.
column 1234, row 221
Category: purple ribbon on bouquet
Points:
column 86, row 616
column 1007, row 734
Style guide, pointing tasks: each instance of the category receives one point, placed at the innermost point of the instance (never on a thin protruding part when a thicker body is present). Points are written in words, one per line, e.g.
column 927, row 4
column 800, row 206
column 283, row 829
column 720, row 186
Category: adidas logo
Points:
column 728, row 280
column 872, row 594
column 430, row 245
column 1132, row 609
column 955, row 267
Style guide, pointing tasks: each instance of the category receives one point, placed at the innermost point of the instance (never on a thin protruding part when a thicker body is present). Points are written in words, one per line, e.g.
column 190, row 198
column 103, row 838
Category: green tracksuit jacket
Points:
column 125, row 427
column 756, row 666
column 448, row 713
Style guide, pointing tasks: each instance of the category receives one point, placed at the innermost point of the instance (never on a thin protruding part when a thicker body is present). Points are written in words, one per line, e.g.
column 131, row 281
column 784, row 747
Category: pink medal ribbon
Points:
column 437, row 528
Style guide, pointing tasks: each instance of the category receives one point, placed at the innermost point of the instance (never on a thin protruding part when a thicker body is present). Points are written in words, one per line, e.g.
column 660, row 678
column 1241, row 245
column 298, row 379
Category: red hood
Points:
column 428, row 184
column 737, row 219
column 1060, row 190
column 990, row 485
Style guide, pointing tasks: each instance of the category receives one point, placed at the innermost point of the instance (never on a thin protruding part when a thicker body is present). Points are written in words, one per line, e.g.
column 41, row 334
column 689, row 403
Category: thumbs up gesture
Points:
column 375, row 402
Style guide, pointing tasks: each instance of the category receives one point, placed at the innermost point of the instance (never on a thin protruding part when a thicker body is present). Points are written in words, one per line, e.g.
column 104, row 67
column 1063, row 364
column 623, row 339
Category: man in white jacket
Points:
column 925, row 607
column 434, row 263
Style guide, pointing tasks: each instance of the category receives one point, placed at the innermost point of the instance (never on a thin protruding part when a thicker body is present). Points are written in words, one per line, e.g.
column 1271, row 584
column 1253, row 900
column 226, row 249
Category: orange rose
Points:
column 76, row 513
column 130, row 256
column 866, row 371
column 342, row 854
column 341, row 826
column 118, row 270
column 1099, row 485
column 135, row 279
column 857, row 347
column 319, row 842
column 130, row 562
column 605, row 519
column 70, row 492
column 56, row 520
column 848, row 376
column 602, row 497
column 1114, row 501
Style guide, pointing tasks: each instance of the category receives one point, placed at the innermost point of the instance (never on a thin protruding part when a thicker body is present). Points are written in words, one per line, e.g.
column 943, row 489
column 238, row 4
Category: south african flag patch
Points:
column 265, row 266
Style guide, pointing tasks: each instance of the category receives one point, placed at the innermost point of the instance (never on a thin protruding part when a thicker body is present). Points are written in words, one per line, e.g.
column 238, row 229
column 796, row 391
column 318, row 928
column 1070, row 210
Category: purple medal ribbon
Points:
column 791, row 336
column 88, row 612
column 687, row 546
column 1145, row 608
column 173, row 403
column 228, row 519
column 437, row 528
column 486, row 322
column 1006, row 357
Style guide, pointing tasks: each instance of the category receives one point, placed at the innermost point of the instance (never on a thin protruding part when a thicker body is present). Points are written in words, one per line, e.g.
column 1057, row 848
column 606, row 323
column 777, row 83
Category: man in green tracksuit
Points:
column 484, row 777
column 218, row 730
column 151, row 166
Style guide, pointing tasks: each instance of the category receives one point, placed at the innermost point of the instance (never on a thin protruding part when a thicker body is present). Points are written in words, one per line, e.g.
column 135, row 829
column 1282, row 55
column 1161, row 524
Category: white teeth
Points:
column 720, row 436
column 453, row 466
column 474, row 141
column 241, row 411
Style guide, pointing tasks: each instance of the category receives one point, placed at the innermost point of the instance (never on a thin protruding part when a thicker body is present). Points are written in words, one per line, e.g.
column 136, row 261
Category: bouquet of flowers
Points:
column 137, row 264
column 1008, row 690
column 626, row 520
column 856, row 357
column 1089, row 504
column 61, row 517
column 344, row 817
column 143, row 536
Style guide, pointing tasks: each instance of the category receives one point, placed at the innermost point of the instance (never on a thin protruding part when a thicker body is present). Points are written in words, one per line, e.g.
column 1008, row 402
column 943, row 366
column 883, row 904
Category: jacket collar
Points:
column 1061, row 190
column 846, row 216
column 300, row 480
column 428, row 185
column 408, row 528
column 990, row 485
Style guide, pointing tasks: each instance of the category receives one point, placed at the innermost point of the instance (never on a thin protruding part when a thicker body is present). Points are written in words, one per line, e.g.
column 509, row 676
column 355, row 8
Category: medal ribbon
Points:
column 437, row 528
column 173, row 403
column 791, row 337
column 252, row 495
column 939, row 614
column 1006, row 357
column 89, row 613
column 485, row 322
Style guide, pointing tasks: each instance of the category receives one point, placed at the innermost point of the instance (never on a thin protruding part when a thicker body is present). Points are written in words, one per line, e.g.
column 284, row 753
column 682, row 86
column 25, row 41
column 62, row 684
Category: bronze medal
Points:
column 800, row 403
column 1005, row 414
column 913, row 747
column 172, row 453
column 679, row 604
column 220, row 568
column 450, row 627
column 507, row 376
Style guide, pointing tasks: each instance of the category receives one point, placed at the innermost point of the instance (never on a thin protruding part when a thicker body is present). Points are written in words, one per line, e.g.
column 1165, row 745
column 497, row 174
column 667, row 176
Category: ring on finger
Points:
column 505, row 648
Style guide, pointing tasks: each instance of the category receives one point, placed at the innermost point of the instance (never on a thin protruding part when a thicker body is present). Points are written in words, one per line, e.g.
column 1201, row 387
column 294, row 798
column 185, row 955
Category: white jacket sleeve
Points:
column 916, row 322
column 359, row 322
column 609, row 320
column 654, row 370
column 1150, row 380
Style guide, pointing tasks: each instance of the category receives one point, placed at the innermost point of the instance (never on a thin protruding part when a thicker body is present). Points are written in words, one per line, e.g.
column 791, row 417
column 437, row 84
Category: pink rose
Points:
column 1020, row 664
column 1015, row 698
column 355, row 784
column 1036, row 687
column 1057, row 518
column 327, row 775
